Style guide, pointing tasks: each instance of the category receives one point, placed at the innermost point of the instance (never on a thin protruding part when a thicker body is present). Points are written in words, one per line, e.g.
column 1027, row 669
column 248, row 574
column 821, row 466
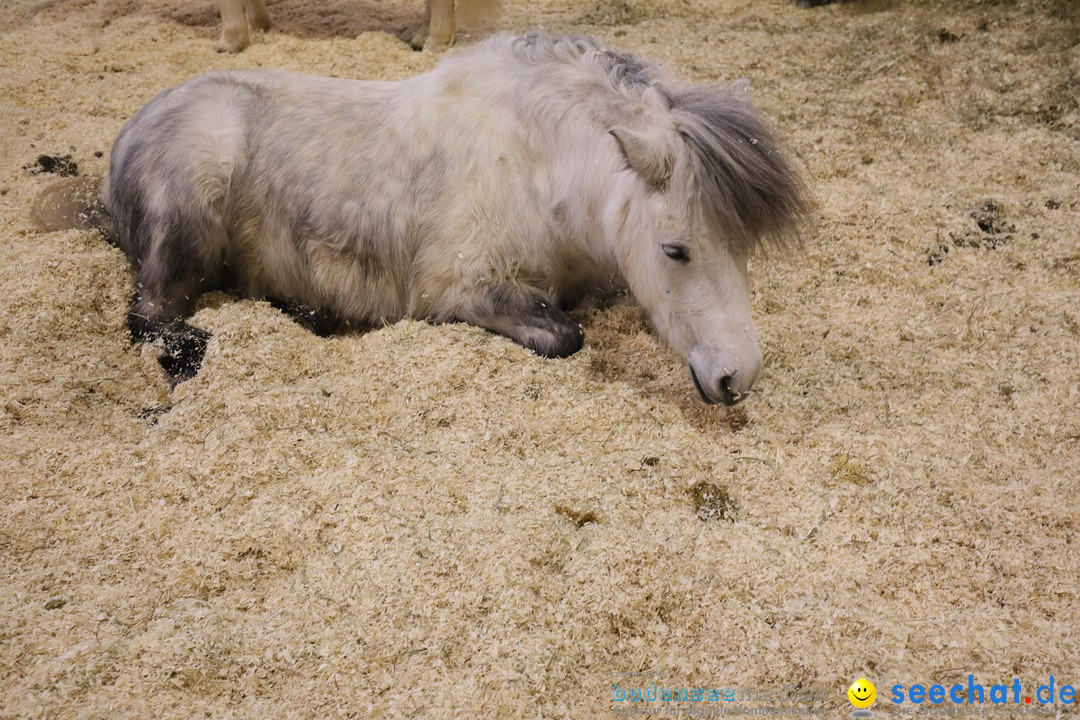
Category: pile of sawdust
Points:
column 432, row 522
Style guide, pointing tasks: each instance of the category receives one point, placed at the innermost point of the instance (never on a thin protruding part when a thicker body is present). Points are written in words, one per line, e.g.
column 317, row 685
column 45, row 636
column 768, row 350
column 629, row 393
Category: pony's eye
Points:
column 676, row 252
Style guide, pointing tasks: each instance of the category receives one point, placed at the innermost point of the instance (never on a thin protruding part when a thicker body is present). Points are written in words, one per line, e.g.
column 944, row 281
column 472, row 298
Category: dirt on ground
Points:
column 431, row 522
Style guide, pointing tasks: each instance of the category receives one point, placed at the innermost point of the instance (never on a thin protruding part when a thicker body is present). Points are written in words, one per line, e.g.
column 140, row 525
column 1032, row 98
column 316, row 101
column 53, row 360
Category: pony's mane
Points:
column 622, row 73
column 747, row 187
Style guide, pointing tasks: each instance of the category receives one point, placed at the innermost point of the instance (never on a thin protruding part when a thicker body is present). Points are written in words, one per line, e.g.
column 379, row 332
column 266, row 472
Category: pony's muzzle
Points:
column 724, row 385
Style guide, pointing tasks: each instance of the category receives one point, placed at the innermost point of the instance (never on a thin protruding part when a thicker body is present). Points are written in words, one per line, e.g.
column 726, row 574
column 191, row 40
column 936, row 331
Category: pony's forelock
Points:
column 748, row 189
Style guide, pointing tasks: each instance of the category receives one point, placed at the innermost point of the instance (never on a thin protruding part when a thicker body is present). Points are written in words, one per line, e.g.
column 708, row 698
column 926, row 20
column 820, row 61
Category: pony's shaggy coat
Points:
column 499, row 189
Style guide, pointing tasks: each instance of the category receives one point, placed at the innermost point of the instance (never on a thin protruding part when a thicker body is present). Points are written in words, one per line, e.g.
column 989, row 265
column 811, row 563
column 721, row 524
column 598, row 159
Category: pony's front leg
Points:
column 525, row 315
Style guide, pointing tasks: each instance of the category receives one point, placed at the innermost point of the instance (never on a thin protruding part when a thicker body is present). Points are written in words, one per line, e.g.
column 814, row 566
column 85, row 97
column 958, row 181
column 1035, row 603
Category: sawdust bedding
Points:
column 431, row 522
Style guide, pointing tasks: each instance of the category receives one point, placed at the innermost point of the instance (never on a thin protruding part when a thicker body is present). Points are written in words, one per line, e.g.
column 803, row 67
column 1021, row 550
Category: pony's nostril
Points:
column 722, row 391
column 727, row 395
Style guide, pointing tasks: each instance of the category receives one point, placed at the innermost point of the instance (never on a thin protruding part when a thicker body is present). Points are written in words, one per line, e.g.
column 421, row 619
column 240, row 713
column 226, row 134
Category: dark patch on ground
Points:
column 984, row 227
column 946, row 36
column 152, row 414
column 993, row 229
column 937, row 255
column 61, row 165
column 990, row 217
column 712, row 502
column 578, row 517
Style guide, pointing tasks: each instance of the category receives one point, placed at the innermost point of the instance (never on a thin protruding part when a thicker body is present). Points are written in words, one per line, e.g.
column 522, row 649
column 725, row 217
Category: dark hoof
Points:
column 563, row 343
column 549, row 332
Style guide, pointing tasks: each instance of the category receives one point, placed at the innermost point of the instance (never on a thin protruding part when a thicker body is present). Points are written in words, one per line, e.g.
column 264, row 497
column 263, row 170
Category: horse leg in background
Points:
column 437, row 31
column 258, row 15
column 236, row 16
column 525, row 315
column 234, row 26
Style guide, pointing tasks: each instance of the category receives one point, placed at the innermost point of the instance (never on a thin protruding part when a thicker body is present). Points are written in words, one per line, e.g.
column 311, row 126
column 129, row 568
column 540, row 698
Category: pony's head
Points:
column 708, row 185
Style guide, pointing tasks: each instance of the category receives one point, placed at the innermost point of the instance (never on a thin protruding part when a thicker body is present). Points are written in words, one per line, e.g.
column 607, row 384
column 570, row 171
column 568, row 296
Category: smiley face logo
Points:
column 862, row 693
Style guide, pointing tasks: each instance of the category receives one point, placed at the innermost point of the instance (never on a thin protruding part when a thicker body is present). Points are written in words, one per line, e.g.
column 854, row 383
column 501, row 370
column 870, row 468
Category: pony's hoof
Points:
column 549, row 333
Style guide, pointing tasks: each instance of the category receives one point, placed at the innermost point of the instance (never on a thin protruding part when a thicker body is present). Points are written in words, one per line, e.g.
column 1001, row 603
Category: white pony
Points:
column 239, row 17
column 499, row 189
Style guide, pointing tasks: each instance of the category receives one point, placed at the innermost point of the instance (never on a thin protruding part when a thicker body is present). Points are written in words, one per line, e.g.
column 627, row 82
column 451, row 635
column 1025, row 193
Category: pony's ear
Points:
column 650, row 155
